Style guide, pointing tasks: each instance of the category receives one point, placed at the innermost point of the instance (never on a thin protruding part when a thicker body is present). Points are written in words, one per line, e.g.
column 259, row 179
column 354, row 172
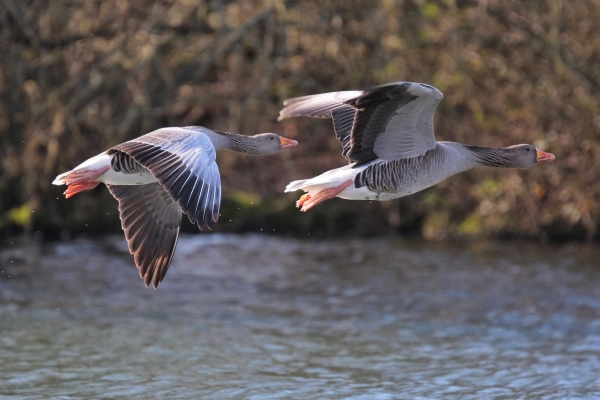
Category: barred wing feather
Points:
column 326, row 105
column 183, row 162
column 151, row 221
column 386, row 122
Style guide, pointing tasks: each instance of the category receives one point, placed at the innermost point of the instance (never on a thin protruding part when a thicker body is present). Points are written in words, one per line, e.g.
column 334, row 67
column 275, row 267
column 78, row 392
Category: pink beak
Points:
column 542, row 156
column 287, row 142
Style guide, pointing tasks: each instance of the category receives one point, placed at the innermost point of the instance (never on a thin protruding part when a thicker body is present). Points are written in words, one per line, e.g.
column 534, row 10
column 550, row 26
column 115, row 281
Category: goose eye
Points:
column 272, row 139
column 528, row 149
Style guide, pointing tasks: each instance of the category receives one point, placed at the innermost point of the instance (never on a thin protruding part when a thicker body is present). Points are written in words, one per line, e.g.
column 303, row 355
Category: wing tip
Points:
column 424, row 89
column 287, row 102
column 154, row 271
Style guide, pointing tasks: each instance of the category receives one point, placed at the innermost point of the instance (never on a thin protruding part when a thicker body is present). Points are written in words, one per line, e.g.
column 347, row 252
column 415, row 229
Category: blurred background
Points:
column 370, row 310
column 79, row 77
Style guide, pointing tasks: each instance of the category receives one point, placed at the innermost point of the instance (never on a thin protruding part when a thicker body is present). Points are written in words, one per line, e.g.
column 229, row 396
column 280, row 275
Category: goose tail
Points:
column 296, row 185
column 61, row 179
column 85, row 175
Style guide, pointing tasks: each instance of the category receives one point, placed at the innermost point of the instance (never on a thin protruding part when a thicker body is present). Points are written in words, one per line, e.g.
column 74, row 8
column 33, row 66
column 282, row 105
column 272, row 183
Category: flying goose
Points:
column 158, row 176
column 387, row 136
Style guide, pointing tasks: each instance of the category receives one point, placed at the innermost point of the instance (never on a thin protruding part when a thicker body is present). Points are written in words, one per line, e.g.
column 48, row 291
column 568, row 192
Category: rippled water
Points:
column 261, row 317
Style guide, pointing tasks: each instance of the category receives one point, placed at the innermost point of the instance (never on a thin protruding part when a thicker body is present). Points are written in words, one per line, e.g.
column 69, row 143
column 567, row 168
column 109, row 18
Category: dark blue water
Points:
column 259, row 317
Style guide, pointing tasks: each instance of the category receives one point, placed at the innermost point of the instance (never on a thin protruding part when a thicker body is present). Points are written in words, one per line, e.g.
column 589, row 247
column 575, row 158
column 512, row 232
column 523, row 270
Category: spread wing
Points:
column 389, row 122
column 183, row 162
column 326, row 105
column 151, row 221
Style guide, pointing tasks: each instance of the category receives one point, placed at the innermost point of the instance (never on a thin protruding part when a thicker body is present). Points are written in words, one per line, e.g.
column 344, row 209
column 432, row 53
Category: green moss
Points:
column 19, row 215
column 479, row 117
column 587, row 104
column 435, row 225
column 243, row 198
column 488, row 188
column 431, row 199
column 471, row 226
column 391, row 69
column 430, row 10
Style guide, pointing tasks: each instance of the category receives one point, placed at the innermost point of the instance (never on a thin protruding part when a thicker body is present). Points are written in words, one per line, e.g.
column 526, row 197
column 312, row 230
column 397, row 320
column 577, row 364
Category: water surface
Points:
column 261, row 317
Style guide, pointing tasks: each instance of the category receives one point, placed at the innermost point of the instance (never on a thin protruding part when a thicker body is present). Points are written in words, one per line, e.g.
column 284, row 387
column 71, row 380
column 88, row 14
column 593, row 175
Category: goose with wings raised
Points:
column 387, row 136
column 158, row 176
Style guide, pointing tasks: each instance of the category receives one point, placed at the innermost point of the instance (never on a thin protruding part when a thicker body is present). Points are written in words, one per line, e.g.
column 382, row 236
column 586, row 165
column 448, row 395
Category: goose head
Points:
column 525, row 156
column 271, row 143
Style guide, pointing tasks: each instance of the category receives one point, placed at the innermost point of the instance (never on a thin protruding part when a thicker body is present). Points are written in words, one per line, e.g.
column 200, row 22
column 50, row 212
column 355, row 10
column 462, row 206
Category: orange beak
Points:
column 542, row 156
column 287, row 142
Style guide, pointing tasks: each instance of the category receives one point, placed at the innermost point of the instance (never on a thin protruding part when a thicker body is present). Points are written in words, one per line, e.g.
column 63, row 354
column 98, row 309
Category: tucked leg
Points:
column 323, row 195
column 86, row 175
column 79, row 181
column 79, row 187
column 302, row 200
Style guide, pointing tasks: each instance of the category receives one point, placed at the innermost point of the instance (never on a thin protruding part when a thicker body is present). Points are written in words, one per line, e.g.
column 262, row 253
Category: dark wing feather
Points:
column 388, row 122
column 397, row 121
column 377, row 106
column 151, row 221
column 343, row 119
column 183, row 162
column 326, row 105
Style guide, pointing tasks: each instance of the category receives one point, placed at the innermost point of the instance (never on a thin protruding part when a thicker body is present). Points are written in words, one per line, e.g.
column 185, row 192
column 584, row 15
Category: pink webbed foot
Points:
column 79, row 187
column 87, row 175
column 323, row 195
column 304, row 198
column 80, row 181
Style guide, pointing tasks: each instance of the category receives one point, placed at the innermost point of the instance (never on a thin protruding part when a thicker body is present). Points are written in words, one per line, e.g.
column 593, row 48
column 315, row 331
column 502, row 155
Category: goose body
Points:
column 158, row 176
column 387, row 136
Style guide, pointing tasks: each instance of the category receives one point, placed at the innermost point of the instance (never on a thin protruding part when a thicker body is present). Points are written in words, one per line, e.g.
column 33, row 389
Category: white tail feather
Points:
column 99, row 162
column 61, row 179
column 296, row 185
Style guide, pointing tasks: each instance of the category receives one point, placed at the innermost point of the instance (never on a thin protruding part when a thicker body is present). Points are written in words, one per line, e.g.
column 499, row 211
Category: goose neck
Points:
column 490, row 156
column 233, row 142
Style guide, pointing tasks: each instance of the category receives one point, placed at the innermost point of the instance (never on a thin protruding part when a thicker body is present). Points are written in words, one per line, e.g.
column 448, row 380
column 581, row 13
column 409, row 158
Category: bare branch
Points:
column 211, row 57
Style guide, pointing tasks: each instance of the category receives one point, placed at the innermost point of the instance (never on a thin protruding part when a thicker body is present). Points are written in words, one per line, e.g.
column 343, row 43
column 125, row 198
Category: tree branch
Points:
column 209, row 58
column 511, row 22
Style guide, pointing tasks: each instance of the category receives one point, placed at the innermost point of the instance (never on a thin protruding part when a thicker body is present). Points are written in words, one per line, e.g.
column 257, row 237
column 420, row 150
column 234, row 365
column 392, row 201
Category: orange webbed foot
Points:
column 304, row 198
column 323, row 195
column 85, row 175
column 79, row 187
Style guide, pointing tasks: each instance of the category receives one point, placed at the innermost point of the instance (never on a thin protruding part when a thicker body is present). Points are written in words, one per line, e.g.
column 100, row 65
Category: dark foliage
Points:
column 77, row 77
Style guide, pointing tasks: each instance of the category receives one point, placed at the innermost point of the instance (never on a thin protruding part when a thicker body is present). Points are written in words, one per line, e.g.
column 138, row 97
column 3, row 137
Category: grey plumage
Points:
column 367, row 122
column 239, row 143
column 158, row 176
column 491, row 157
column 392, row 176
column 151, row 221
column 199, row 198
column 387, row 136
column 123, row 162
